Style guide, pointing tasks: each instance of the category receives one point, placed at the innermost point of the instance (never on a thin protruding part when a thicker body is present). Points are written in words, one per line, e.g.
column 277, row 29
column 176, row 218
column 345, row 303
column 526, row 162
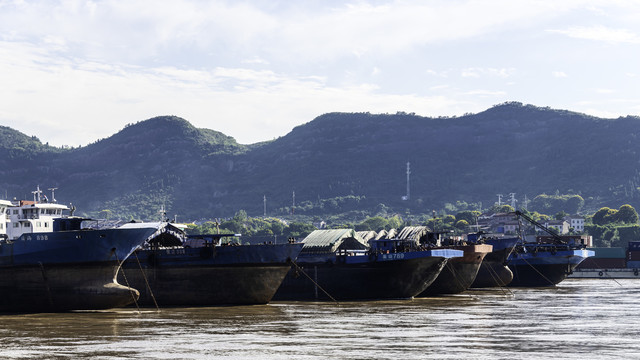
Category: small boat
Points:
column 203, row 270
column 494, row 271
column 340, row 265
column 52, row 262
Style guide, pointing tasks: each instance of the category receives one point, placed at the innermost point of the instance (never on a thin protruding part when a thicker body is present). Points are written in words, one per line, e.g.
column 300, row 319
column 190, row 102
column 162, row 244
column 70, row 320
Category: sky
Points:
column 73, row 72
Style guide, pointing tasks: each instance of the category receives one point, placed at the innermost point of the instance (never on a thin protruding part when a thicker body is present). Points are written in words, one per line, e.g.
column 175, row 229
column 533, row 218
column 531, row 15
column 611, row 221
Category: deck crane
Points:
column 556, row 238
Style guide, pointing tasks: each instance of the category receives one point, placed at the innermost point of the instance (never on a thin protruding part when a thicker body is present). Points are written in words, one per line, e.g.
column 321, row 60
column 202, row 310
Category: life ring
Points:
column 600, row 273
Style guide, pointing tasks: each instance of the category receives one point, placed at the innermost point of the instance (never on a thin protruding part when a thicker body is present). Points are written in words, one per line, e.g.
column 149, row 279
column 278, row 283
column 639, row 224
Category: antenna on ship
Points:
column 53, row 194
column 37, row 193
column 163, row 213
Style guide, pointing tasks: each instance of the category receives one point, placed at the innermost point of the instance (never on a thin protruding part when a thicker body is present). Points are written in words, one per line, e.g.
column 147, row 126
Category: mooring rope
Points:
column 610, row 277
column 314, row 282
column 146, row 281
column 133, row 296
column 457, row 278
column 534, row 268
column 496, row 278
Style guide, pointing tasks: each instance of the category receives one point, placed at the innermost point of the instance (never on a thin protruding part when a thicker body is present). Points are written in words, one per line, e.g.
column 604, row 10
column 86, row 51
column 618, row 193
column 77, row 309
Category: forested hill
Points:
column 337, row 162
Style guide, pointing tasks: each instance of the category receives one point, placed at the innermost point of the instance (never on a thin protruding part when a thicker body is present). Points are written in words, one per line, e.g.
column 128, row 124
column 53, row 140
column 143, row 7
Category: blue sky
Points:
column 73, row 72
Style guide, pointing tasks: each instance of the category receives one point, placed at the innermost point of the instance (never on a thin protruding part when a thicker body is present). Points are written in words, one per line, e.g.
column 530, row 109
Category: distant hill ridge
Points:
column 201, row 173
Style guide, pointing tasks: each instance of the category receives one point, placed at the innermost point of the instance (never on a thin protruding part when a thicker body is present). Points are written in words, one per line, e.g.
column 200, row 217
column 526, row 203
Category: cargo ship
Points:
column 539, row 264
column 51, row 262
column 494, row 271
column 547, row 261
column 339, row 265
column 611, row 263
column 460, row 272
column 206, row 270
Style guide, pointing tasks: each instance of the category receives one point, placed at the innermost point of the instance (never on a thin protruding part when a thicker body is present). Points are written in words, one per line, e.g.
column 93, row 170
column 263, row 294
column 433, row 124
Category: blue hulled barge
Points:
column 49, row 262
column 339, row 265
column 546, row 262
column 539, row 264
column 207, row 270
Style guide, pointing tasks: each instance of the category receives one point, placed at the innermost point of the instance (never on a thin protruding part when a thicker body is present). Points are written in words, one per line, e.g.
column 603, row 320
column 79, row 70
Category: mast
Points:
column 36, row 194
column 53, row 194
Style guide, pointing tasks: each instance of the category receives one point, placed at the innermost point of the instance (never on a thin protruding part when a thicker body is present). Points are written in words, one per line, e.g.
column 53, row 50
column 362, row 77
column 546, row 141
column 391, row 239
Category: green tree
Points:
column 375, row 223
column 604, row 216
column 449, row 219
column 495, row 209
column 561, row 215
column 462, row 225
column 551, row 204
column 277, row 227
column 240, row 216
column 394, row 222
column 627, row 233
column 468, row 216
column 299, row 230
column 627, row 214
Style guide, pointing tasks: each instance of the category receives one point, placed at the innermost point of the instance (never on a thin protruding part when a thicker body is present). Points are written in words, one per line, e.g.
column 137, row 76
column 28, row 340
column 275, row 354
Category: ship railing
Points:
column 28, row 217
column 347, row 252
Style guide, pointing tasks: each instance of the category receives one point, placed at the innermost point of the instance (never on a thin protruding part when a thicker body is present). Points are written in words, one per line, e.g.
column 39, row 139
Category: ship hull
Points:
column 62, row 287
column 336, row 280
column 67, row 270
column 223, row 275
column 460, row 272
column 544, row 268
column 493, row 272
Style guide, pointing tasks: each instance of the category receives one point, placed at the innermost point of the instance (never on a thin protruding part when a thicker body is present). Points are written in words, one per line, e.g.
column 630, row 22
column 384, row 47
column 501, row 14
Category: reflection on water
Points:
column 580, row 319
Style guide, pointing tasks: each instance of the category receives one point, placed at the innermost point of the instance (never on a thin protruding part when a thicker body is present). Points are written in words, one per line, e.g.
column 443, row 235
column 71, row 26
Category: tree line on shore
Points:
column 609, row 227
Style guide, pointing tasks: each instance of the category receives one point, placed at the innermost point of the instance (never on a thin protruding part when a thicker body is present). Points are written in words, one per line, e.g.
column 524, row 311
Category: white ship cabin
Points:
column 27, row 217
column 4, row 204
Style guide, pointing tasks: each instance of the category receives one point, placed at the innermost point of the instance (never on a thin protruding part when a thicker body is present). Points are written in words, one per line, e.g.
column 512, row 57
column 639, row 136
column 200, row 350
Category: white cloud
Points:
column 75, row 71
column 138, row 31
column 485, row 93
column 491, row 72
column 601, row 33
column 247, row 104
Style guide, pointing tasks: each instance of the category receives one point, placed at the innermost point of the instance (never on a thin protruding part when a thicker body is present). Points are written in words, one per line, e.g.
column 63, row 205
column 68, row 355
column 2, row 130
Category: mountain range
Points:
column 337, row 162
